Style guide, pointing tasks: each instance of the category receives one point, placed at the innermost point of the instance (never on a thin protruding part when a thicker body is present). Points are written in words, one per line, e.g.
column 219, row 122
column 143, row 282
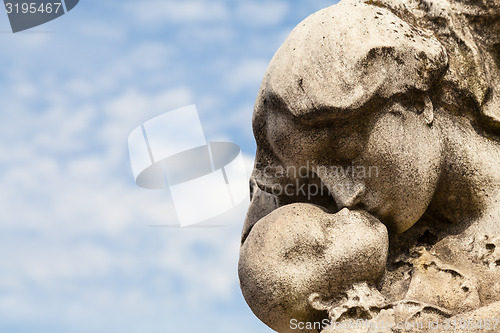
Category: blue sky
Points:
column 78, row 250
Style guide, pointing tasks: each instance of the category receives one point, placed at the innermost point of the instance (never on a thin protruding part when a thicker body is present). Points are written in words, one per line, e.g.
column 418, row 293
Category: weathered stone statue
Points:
column 376, row 188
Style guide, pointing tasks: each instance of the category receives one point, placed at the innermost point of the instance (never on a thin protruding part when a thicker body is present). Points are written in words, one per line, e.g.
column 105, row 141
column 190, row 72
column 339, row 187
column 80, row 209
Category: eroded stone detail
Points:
column 376, row 189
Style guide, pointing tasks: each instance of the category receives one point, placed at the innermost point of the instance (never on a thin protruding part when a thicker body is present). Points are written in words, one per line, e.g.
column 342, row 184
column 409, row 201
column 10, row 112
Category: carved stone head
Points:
column 365, row 126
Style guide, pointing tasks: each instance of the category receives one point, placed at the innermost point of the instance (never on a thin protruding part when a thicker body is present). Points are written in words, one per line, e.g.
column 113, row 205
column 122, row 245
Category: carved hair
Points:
column 470, row 32
column 373, row 54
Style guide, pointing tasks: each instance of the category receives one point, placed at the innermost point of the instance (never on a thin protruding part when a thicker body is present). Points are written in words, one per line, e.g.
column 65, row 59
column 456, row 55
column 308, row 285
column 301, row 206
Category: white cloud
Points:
column 151, row 55
column 262, row 14
column 247, row 74
column 133, row 107
column 198, row 38
column 168, row 12
column 239, row 119
column 102, row 31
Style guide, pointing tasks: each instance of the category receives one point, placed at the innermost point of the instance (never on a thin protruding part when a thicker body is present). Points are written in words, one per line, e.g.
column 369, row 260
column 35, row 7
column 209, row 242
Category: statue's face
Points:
column 386, row 163
column 299, row 250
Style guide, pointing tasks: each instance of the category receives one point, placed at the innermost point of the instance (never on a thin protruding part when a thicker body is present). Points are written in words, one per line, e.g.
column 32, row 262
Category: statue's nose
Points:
column 346, row 189
column 348, row 195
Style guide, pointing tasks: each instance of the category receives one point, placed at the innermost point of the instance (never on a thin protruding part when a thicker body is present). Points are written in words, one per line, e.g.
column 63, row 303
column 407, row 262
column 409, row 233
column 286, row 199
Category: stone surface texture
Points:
column 375, row 197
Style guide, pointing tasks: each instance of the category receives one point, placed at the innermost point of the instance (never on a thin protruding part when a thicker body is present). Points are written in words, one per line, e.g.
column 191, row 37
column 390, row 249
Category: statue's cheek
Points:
column 408, row 157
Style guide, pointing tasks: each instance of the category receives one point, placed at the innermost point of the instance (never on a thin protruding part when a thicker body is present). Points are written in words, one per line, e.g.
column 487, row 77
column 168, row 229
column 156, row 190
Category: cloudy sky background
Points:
column 79, row 246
